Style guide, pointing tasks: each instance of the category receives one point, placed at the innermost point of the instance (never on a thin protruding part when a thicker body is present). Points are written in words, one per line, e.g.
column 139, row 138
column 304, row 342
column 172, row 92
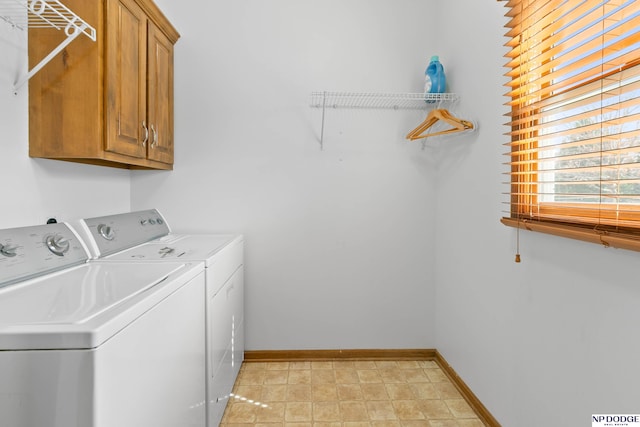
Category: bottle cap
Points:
column 435, row 58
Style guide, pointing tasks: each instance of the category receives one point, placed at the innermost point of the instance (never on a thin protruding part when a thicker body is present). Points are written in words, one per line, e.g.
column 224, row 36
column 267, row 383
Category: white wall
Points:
column 342, row 244
column 36, row 189
column 552, row 340
column 339, row 242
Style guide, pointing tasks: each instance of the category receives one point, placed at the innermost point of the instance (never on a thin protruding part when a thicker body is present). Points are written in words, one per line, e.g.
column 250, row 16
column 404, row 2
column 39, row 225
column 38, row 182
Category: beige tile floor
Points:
column 346, row 394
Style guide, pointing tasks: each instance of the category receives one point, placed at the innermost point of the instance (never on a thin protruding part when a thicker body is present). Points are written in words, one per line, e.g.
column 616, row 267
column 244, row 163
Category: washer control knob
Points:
column 106, row 232
column 57, row 244
column 8, row 251
column 159, row 221
column 152, row 221
column 143, row 222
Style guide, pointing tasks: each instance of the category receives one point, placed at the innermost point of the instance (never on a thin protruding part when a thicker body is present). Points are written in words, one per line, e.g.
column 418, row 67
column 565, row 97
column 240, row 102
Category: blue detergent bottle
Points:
column 435, row 81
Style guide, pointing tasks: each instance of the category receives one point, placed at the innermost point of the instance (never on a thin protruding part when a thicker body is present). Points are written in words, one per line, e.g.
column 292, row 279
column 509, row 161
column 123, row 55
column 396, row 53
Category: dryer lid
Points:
column 178, row 247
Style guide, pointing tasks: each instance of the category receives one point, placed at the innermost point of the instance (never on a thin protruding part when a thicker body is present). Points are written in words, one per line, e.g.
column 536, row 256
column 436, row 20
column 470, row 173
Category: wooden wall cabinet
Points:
column 110, row 102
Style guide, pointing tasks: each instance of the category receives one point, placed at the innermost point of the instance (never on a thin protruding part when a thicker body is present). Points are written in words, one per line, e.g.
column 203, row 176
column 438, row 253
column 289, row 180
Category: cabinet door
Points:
column 126, row 79
column 160, row 96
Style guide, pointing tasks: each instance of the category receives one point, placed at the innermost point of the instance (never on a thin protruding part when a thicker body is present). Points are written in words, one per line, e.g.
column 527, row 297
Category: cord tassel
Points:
column 518, row 241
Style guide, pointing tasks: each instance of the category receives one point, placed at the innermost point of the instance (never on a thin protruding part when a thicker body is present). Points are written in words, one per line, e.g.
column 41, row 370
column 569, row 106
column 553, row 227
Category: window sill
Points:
column 586, row 234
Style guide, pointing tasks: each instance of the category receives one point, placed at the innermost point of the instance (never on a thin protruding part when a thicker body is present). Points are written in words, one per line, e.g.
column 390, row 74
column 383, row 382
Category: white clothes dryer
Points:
column 97, row 344
column 149, row 239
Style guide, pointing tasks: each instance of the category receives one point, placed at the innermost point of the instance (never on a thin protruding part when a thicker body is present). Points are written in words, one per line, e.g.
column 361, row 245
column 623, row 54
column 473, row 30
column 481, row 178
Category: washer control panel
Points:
column 28, row 252
column 114, row 233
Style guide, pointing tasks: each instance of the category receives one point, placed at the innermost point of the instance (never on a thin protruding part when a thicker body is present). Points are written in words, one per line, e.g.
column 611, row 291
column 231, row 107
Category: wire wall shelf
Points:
column 376, row 101
column 394, row 101
column 24, row 14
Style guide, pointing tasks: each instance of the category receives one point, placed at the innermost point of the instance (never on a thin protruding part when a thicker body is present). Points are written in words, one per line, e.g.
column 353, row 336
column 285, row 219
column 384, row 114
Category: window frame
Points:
column 613, row 228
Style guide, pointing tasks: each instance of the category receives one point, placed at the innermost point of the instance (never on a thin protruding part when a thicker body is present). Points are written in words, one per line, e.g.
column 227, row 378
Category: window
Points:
column 574, row 150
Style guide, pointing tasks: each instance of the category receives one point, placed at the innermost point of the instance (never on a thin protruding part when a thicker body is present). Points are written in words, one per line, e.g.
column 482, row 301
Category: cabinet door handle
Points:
column 155, row 136
column 146, row 133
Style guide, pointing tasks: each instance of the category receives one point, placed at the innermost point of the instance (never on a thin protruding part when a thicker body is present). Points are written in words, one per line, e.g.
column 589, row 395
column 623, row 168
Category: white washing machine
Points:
column 97, row 344
column 149, row 239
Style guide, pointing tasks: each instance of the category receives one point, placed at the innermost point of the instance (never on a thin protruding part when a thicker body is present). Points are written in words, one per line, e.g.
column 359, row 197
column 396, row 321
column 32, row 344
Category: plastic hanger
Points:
column 434, row 116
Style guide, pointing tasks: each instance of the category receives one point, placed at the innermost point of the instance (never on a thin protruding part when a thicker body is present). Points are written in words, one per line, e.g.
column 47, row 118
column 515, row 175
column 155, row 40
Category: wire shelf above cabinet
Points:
column 394, row 101
column 24, row 14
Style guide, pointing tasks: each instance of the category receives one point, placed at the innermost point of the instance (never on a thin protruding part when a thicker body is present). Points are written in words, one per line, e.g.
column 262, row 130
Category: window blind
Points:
column 574, row 146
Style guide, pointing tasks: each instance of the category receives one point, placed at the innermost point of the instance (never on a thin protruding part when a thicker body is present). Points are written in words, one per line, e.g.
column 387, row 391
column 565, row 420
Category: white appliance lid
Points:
column 83, row 306
column 176, row 247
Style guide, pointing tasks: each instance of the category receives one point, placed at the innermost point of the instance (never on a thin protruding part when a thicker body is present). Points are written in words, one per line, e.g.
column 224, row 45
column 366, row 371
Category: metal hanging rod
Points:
column 395, row 101
column 24, row 14
column 390, row 101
